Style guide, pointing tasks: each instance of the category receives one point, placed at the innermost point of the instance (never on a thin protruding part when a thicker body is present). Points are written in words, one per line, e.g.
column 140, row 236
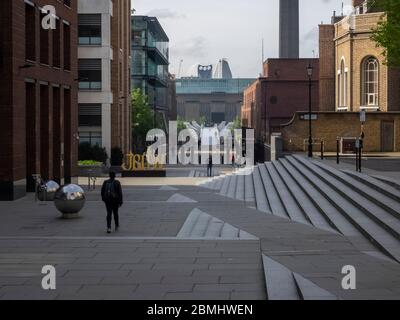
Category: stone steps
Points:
column 374, row 231
column 376, row 184
column 363, row 186
column 364, row 209
column 273, row 197
column 372, row 209
column 389, row 181
column 283, row 284
column 201, row 225
column 285, row 194
column 304, row 195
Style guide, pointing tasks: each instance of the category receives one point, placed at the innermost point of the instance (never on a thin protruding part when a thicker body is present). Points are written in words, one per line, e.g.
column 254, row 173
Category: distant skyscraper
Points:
column 223, row 70
column 289, row 29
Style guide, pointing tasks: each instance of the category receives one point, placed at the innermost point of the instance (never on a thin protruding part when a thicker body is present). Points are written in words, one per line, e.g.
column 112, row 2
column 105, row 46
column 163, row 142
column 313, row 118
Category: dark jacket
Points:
column 117, row 190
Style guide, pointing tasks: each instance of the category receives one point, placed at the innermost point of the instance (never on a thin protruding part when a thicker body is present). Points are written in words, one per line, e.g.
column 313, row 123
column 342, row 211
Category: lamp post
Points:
column 310, row 146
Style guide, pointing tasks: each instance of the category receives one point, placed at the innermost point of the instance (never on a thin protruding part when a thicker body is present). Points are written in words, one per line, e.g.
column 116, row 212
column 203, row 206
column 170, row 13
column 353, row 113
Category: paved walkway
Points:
column 146, row 260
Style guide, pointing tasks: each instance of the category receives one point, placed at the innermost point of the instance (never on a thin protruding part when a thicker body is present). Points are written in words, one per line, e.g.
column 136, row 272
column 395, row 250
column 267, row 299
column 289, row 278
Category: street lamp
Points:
column 310, row 146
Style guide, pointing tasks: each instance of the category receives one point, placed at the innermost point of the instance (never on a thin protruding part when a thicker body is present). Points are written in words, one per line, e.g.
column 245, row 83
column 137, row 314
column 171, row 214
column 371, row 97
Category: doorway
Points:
column 387, row 136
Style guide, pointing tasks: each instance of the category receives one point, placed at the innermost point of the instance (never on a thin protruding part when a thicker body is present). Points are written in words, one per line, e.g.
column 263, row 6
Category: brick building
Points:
column 104, row 73
column 353, row 67
column 38, row 95
column 353, row 77
column 328, row 126
column 273, row 99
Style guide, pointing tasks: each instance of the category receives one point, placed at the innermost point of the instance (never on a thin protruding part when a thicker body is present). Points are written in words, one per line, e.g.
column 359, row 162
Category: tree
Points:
column 387, row 33
column 202, row 121
column 181, row 124
column 142, row 119
column 237, row 123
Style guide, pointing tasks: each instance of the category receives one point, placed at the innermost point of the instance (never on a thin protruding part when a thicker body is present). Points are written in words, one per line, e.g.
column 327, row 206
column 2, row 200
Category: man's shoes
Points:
column 108, row 231
column 116, row 228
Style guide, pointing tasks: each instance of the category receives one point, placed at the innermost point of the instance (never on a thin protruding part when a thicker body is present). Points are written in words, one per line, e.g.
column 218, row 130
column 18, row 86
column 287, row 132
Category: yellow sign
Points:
column 137, row 162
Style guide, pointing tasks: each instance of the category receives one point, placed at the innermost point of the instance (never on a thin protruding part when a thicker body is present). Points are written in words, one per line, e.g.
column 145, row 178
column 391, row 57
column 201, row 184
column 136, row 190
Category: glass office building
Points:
column 150, row 60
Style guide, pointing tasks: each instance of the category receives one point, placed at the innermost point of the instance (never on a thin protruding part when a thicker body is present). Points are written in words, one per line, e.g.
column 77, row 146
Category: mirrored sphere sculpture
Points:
column 70, row 200
column 47, row 191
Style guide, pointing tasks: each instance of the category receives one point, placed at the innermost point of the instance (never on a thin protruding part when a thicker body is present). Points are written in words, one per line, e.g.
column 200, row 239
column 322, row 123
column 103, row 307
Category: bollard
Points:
column 337, row 151
column 357, row 159
column 322, row 150
column 360, row 159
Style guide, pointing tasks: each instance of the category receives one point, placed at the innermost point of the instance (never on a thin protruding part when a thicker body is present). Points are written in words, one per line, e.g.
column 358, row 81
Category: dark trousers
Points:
column 112, row 209
column 209, row 170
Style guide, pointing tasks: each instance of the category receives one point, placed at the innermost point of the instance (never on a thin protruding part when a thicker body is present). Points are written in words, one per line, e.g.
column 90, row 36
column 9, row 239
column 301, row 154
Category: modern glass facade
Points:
column 150, row 60
column 209, row 86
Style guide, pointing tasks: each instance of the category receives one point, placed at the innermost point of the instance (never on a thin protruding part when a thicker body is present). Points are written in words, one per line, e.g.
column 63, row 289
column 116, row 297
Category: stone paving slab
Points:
column 153, row 278
column 145, row 261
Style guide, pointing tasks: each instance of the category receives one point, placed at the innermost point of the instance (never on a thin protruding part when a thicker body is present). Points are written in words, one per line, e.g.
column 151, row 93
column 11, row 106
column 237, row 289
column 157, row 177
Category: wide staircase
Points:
column 362, row 208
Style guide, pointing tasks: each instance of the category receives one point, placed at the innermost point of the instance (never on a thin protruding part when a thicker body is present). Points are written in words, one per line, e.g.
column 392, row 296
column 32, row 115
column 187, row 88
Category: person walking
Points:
column 111, row 194
column 209, row 166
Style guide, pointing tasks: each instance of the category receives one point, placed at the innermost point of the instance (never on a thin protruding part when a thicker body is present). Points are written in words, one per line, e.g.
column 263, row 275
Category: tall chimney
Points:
column 289, row 38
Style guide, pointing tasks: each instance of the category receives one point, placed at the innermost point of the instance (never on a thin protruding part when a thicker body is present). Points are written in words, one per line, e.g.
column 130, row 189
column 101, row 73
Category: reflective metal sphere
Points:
column 70, row 199
column 47, row 191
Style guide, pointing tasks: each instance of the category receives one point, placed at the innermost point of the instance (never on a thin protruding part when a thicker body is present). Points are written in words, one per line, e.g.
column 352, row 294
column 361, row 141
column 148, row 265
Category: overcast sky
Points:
column 203, row 31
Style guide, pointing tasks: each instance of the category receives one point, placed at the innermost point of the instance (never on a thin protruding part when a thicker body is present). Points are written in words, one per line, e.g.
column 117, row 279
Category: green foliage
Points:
column 387, row 33
column 237, row 123
column 89, row 163
column 143, row 116
column 202, row 121
column 93, row 153
column 181, row 124
column 117, row 157
column 142, row 119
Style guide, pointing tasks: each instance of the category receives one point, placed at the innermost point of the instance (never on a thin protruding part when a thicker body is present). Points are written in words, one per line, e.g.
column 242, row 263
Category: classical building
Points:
column 354, row 67
column 273, row 99
column 104, row 73
column 353, row 78
column 150, row 61
column 38, row 95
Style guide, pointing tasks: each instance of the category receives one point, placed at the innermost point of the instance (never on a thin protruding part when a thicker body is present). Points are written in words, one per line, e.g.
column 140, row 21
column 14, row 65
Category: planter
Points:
column 144, row 174
column 92, row 170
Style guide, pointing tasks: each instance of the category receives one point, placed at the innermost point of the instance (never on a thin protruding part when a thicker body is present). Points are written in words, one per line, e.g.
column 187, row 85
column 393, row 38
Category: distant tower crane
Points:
column 180, row 68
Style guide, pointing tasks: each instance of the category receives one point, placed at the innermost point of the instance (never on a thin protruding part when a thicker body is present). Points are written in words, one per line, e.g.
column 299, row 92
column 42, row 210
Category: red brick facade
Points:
column 38, row 101
column 273, row 100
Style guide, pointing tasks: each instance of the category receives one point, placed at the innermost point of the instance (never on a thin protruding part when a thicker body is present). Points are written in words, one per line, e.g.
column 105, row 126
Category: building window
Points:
column 56, row 45
column 89, row 29
column 30, row 27
column 67, row 46
column 342, row 86
column 44, row 42
column 89, row 115
column 93, row 138
column 89, row 74
column 370, row 82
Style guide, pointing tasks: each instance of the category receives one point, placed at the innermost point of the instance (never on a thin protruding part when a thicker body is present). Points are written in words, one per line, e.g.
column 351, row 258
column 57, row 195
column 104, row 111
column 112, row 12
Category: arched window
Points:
column 370, row 83
column 342, row 86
